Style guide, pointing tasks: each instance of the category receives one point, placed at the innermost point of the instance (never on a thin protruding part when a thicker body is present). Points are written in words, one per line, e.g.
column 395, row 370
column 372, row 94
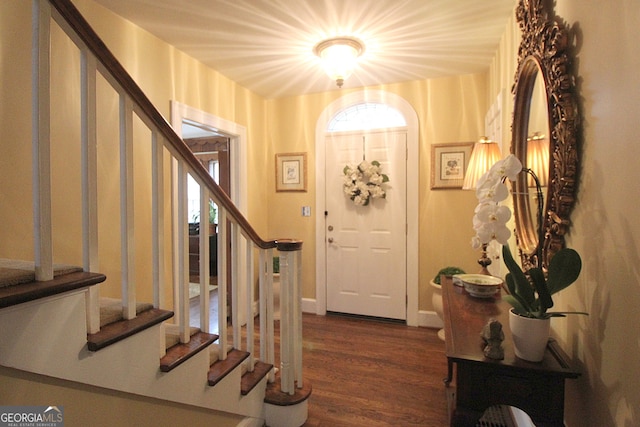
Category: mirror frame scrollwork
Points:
column 543, row 53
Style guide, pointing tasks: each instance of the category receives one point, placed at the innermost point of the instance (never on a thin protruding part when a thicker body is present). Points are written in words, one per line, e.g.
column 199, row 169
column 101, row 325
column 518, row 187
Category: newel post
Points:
column 290, row 252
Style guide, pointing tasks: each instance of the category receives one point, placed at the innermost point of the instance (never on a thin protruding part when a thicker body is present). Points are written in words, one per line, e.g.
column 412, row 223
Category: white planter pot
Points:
column 530, row 336
column 436, row 301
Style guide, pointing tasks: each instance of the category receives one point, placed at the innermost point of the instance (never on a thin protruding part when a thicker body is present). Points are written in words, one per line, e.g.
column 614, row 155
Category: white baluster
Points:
column 126, row 208
column 297, row 316
column 222, row 283
column 41, row 140
column 249, row 306
column 286, row 343
column 182, row 304
column 204, row 259
column 157, row 220
column 89, row 157
column 235, row 288
column 267, row 353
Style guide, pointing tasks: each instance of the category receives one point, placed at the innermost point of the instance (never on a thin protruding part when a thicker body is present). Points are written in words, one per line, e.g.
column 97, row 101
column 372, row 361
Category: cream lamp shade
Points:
column 484, row 154
column 538, row 158
column 339, row 57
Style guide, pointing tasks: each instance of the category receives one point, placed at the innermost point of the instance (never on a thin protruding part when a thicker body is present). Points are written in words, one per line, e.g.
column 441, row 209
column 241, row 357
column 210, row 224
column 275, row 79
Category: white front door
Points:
column 366, row 267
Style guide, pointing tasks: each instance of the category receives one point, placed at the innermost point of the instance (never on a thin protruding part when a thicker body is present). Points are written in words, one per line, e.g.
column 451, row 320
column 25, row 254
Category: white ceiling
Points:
column 267, row 45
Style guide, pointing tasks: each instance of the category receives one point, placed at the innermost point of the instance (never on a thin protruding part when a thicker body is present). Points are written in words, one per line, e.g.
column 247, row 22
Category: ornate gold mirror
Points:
column 545, row 116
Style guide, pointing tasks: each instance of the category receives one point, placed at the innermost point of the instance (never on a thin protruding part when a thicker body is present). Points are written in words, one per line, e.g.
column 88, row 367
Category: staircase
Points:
column 55, row 320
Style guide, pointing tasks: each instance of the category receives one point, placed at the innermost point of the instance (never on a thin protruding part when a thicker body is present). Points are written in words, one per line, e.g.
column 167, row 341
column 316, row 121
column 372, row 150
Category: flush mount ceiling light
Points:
column 339, row 56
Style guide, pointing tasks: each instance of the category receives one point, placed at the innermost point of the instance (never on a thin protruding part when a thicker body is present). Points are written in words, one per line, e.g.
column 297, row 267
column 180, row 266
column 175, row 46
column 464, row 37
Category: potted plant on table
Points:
column 530, row 298
column 530, row 292
column 436, row 298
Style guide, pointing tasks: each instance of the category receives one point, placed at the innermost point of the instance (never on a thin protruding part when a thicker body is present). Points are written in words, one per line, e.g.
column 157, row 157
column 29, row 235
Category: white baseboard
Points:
column 426, row 319
column 429, row 319
column 309, row 305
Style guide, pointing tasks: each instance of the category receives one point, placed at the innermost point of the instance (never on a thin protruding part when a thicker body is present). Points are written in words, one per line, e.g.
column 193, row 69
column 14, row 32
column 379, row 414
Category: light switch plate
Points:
column 306, row 211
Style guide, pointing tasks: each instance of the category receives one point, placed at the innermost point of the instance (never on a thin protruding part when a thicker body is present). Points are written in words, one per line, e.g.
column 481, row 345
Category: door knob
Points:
column 330, row 239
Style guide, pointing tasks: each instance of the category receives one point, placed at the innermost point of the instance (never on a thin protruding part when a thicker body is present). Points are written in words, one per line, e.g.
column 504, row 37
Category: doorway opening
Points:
column 211, row 148
column 222, row 147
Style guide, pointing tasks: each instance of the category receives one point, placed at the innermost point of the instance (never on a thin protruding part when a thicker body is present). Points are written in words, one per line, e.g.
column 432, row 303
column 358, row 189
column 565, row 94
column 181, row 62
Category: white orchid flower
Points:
column 490, row 191
column 475, row 242
column 494, row 214
column 509, row 167
column 491, row 231
column 490, row 218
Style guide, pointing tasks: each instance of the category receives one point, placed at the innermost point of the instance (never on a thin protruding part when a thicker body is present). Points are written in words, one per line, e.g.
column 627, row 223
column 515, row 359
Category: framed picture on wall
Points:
column 449, row 163
column 291, row 172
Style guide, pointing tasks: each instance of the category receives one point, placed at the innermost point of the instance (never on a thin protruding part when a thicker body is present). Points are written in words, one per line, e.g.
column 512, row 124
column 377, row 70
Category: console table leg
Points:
column 449, row 378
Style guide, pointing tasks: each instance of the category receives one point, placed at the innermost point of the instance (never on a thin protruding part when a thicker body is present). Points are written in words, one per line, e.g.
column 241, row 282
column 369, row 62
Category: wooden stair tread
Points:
column 275, row 396
column 122, row 329
column 221, row 368
column 251, row 379
column 25, row 292
column 181, row 352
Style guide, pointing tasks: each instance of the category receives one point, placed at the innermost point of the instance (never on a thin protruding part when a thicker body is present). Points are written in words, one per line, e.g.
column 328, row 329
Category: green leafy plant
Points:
column 213, row 214
column 530, row 293
column 447, row 271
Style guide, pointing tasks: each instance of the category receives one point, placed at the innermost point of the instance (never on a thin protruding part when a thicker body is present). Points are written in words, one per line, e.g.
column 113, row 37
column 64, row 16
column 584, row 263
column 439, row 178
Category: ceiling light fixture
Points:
column 339, row 56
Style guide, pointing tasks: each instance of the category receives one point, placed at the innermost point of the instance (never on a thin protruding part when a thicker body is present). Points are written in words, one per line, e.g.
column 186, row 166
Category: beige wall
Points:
column 606, row 226
column 449, row 110
column 16, row 223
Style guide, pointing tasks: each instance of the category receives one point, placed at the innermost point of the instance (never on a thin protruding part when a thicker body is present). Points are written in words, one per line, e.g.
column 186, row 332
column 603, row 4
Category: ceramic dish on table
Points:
column 479, row 285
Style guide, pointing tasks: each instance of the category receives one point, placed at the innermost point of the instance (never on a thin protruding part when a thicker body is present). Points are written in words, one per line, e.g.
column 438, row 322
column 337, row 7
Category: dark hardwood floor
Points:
column 367, row 372
column 373, row 373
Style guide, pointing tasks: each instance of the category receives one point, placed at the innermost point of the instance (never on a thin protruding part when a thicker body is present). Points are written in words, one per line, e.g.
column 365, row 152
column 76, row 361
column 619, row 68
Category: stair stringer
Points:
column 49, row 337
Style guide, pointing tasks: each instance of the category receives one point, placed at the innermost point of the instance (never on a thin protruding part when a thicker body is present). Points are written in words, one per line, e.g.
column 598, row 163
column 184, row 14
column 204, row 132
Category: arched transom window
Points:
column 368, row 115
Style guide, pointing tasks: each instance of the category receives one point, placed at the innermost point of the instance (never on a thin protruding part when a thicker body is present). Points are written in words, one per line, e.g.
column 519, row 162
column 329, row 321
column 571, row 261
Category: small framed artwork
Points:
column 291, row 172
column 449, row 163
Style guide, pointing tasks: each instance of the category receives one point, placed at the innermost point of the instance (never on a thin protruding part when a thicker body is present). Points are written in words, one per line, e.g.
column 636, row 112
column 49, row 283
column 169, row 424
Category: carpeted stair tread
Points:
column 16, row 272
column 222, row 368
column 122, row 329
column 13, row 295
column 111, row 310
column 251, row 379
column 181, row 352
column 172, row 334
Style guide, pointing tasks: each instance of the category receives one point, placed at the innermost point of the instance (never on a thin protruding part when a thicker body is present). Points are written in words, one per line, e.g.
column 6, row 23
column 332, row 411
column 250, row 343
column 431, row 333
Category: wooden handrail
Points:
column 76, row 21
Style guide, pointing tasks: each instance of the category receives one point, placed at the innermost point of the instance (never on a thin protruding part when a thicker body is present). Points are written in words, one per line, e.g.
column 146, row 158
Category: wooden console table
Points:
column 536, row 388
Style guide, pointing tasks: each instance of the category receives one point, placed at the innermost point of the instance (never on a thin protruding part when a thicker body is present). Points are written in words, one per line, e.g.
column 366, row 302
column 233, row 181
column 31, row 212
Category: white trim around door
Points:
column 412, row 194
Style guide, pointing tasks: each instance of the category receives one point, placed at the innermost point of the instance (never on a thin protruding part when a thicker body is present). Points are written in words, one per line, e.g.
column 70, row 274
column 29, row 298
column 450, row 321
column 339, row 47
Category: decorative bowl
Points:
column 480, row 285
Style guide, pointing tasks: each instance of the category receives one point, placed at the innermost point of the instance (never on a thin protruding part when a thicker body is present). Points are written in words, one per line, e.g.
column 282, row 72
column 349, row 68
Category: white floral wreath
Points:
column 364, row 182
